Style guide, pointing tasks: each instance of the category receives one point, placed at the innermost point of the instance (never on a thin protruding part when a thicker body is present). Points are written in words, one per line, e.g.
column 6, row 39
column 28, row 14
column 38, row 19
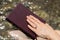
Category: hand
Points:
column 18, row 35
column 41, row 29
column 37, row 26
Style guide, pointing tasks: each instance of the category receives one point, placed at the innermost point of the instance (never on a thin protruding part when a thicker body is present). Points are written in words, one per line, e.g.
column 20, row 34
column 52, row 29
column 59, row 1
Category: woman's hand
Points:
column 37, row 26
column 41, row 29
column 18, row 35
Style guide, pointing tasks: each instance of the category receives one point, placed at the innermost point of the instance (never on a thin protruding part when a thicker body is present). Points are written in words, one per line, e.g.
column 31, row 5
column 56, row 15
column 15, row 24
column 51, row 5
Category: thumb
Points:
column 18, row 35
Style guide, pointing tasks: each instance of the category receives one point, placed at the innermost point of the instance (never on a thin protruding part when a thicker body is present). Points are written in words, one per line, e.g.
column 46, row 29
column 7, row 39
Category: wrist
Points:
column 54, row 36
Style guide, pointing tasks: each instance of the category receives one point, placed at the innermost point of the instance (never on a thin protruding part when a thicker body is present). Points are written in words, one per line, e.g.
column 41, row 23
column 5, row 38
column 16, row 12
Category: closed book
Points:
column 18, row 18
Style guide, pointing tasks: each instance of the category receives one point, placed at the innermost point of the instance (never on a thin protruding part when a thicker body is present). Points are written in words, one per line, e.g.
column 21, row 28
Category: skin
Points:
column 23, row 36
column 41, row 29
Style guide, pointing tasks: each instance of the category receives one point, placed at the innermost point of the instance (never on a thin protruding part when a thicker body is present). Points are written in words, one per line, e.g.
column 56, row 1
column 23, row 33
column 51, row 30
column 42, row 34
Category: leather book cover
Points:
column 18, row 18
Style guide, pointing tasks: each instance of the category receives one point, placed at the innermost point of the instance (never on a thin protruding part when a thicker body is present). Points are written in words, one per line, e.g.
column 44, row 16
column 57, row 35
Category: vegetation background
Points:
column 49, row 10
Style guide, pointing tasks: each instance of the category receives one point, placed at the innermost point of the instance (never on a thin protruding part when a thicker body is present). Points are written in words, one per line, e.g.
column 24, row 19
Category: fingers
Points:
column 34, row 30
column 18, row 35
column 34, row 22
column 31, row 23
column 34, row 18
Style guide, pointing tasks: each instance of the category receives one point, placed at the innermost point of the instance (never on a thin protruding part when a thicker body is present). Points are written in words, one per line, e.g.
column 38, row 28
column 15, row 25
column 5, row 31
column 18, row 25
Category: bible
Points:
column 18, row 18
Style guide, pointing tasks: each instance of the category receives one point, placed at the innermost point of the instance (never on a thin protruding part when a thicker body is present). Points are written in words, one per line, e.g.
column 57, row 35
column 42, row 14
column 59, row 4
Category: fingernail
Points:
column 30, row 15
column 27, row 16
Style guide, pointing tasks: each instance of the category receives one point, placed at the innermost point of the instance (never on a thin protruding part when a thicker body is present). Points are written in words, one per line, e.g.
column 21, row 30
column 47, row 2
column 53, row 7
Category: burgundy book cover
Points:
column 18, row 17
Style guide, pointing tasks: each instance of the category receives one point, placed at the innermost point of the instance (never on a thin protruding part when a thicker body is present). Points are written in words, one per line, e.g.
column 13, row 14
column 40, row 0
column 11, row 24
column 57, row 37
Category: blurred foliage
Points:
column 49, row 10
